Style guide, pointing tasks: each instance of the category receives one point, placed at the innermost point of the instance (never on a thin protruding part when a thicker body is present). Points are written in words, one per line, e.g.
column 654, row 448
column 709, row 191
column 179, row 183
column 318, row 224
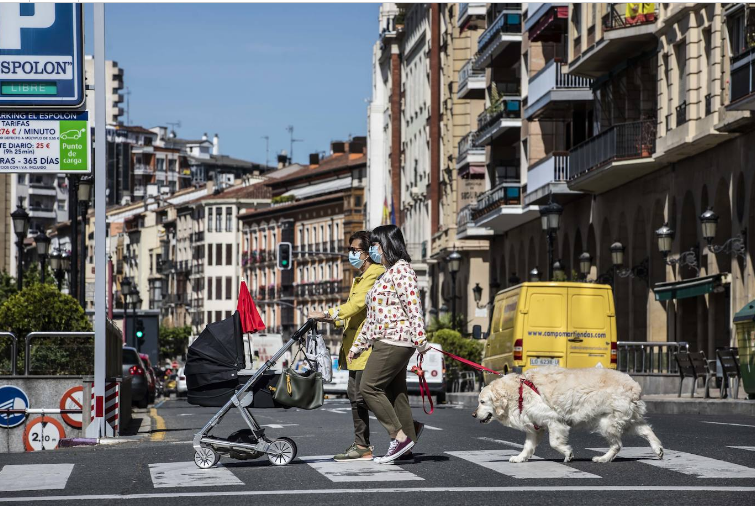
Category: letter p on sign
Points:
column 11, row 22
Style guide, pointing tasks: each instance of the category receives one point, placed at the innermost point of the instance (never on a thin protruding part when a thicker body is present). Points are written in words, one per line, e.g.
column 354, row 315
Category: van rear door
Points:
column 591, row 320
column 544, row 328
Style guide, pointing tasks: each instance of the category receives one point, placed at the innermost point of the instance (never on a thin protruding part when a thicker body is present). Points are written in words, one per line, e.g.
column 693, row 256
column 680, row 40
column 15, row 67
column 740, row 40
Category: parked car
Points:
column 151, row 377
column 181, row 389
column 134, row 367
column 340, row 382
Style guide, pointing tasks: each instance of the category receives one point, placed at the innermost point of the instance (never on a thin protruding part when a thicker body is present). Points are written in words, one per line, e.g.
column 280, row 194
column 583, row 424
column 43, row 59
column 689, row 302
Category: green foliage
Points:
column 42, row 308
column 463, row 347
column 7, row 286
column 282, row 199
column 32, row 275
column 173, row 341
column 445, row 322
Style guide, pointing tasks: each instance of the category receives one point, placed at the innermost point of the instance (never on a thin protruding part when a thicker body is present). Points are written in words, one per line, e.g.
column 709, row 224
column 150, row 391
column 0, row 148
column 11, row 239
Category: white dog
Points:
column 599, row 400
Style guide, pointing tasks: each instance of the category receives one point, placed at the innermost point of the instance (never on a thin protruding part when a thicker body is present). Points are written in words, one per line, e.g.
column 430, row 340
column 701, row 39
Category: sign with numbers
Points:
column 45, row 142
column 43, row 433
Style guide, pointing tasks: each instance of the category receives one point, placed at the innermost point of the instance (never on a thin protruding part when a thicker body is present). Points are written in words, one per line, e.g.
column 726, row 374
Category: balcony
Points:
column 742, row 87
column 628, row 30
column 197, row 269
column 505, row 31
column 165, row 266
column 553, row 93
column 470, row 157
column 197, row 237
column 548, row 177
column 42, row 189
column 319, row 289
column 470, row 10
column 183, row 266
column 465, row 224
column 498, row 118
column 613, row 157
column 500, row 209
column 471, row 82
column 138, row 191
column 546, row 22
column 42, row 212
column 141, row 169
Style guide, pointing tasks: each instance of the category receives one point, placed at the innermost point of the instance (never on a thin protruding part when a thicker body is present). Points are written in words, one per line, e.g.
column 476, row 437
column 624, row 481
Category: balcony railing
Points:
column 142, row 169
column 505, row 194
column 470, row 78
column 627, row 15
column 553, row 168
column 742, row 75
column 505, row 108
column 553, row 77
column 165, row 266
column 467, row 146
column 319, row 288
column 138, row 190
column 620, row 142
column 508, row 21
column 197, row 237
column 465, row 216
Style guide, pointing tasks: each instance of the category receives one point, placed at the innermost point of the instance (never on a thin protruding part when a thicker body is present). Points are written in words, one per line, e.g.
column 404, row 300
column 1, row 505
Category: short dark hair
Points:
column 364, row 240
column 392, row 241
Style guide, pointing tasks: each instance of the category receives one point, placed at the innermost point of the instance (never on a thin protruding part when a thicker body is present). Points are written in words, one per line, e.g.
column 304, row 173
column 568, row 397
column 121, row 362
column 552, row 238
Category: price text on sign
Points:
column 43, row 433
column 44, row 142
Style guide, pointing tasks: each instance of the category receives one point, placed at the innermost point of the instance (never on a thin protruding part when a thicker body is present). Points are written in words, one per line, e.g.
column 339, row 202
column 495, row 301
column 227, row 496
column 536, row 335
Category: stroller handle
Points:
column 300, row 334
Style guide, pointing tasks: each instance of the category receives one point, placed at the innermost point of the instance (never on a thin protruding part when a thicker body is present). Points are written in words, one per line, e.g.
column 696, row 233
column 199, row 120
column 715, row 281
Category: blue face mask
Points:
column 374, row 255
column 355, row 260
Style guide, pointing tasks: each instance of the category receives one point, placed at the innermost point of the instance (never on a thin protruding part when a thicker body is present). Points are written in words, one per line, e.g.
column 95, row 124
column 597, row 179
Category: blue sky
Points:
column 245, row 71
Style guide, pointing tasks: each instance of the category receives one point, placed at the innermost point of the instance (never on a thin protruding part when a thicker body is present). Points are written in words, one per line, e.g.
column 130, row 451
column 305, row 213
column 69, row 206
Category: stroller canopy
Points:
column 217, row 354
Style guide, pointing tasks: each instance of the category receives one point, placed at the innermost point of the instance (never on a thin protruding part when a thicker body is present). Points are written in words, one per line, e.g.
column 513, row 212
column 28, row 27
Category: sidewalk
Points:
column 656, row 404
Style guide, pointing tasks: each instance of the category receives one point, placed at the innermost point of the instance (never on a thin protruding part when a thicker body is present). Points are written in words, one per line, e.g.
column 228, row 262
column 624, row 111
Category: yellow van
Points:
column 551, row 323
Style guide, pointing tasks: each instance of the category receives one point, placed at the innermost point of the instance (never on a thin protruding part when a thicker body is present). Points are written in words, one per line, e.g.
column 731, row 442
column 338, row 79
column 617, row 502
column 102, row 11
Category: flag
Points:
column 393, row 213
column 250, row 318
column 386, row 213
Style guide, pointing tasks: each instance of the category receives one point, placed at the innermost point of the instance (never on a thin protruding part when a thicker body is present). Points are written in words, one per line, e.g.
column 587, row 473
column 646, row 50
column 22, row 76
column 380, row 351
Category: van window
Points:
column 546, row 310
column 588, row 312
column 509, row 312
column 495, row 323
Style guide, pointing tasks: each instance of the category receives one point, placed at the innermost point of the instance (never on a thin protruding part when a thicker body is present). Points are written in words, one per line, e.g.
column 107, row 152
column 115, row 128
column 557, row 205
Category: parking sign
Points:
column 41, row 55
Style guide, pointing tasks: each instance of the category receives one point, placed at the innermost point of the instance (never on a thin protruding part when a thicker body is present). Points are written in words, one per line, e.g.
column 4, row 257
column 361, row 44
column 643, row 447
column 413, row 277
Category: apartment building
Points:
column 113, row 86
column 316, row 209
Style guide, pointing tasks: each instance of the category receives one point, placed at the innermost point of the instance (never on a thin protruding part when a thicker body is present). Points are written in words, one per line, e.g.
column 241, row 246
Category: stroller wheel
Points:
column 281, row 451
column 205, row 458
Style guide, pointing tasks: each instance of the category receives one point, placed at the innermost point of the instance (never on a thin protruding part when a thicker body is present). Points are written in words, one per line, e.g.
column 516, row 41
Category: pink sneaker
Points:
column 396, row 450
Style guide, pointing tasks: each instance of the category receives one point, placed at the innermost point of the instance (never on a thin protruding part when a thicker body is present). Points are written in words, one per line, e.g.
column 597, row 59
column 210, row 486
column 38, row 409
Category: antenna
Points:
column 128, row 107
column 267, row 150
column 290, row 130
column 174, row 124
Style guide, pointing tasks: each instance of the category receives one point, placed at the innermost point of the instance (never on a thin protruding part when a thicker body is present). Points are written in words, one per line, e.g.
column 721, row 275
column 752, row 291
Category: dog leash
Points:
column 424, row 390
column 464, row 361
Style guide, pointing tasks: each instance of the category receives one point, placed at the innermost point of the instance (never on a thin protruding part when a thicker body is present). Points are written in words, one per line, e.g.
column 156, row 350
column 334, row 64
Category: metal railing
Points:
column 468, row 72
column 140, row 169
column 652, row 357
column 505, row 194
column 620, row 142
column 64, row 353
column 8, row 367
column 467, row 145
column 552, row 168
column 553, row 77
column 508, row 21
column 465, row 216
column 627, row 15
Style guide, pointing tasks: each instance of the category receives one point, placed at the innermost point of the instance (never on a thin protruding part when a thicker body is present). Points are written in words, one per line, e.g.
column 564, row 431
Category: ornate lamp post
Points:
column 65, row 265
column 42, row 243
column 550, row 216
column 56, row 264
column 665, row 236
column 84, row 192
column 585, row 264
column 617, row 258
column 454, row 266
column 21, row 227
column 535, row 275
column 558, row 270
column 477, row 292
column 736, row 246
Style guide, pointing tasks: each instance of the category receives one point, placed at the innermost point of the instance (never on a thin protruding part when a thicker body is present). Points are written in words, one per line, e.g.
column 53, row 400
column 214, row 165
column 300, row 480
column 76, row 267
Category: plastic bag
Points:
column 318, row 353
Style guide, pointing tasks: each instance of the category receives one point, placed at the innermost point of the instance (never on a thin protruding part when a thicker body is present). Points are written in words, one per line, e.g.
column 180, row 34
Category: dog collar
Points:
column 522, row 382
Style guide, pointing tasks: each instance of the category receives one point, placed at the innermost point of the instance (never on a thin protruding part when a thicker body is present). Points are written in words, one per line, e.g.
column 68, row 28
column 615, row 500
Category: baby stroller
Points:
column 212, row 367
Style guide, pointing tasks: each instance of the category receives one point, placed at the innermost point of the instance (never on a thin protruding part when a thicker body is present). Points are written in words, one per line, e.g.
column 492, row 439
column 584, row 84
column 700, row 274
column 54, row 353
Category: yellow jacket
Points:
column 351, row 316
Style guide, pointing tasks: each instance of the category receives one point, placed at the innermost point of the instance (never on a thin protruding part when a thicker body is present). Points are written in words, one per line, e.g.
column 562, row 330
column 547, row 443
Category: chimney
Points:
column 215, row 145
column 204, row 136
column 314, row 159
column 282, row 159
column 357, row 145
column 337, row 147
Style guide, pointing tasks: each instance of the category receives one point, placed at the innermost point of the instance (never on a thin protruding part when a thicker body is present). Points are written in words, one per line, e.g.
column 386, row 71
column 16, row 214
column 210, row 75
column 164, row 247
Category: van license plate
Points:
column 544, row 361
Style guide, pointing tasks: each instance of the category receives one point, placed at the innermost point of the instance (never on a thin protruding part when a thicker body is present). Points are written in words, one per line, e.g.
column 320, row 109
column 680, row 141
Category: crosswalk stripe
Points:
column 685, row 463
column 749, row 448
column 358, row 471
column 35, row 477
column 498, row 461
column 187, row 474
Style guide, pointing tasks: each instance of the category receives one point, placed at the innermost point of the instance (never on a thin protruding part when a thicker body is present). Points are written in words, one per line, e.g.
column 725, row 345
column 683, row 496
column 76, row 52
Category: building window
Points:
column 228, row 219
column 209, row 220
column 209, row 316
column 228, row 288
column 219, row 219
column 218, row 254
column 218, row 288
column 209, row 254
column 209, row 288
column 218, row 316
column 227, row 314
column 229, row 254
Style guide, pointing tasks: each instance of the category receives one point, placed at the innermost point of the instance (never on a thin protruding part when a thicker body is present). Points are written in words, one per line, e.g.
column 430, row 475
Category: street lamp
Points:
column 558, row 270
column 454, row 266
column 585, row 264
column 550, row 217
column 42, row 242
column 83, row 192
column 514, row 279
column 535, row 275
column 65, row 265
column 56, row 264
column 665, row 236
column 736, row 246
column 21, row 227
column 477, row 292
column 617, row 258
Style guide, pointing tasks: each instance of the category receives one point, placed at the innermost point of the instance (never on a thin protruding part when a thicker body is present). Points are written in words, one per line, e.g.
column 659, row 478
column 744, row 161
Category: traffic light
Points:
column 140, row 332
column 284, row 256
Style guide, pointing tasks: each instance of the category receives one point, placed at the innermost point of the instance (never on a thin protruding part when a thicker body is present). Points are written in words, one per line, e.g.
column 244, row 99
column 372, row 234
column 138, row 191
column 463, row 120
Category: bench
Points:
column 729, row 360
column 694, row 365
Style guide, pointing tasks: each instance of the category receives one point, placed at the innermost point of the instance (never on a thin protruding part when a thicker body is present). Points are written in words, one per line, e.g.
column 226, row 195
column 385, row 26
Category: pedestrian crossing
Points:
column 179, row 475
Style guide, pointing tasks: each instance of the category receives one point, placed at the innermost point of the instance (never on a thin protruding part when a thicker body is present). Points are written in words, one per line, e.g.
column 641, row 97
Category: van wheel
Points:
column 440, row 398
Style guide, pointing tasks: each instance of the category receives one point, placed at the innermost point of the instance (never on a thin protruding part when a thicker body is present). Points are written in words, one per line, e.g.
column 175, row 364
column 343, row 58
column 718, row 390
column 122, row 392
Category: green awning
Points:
column 687, row 288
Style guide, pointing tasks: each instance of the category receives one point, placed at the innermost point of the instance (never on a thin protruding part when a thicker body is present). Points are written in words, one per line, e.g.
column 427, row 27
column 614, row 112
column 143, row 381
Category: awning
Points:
column 472, row 169
column 687, row 288
column 320, row 188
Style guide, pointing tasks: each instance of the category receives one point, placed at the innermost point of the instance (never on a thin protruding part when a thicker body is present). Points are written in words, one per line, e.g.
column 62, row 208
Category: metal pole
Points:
column 20, row 277
column 453, row 301
column 73, row 215
column 42, row 266
column 550, row 256
column 133, row 324
column 99, row 425
column 83, row 260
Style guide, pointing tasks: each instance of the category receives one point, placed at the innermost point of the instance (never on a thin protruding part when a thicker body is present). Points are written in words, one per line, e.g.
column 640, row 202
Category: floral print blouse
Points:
column 394, row 311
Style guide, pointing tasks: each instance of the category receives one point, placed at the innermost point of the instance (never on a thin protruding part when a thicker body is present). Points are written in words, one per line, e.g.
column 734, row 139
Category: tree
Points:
column 41, row 307
column 173, row 341
column 7, row 286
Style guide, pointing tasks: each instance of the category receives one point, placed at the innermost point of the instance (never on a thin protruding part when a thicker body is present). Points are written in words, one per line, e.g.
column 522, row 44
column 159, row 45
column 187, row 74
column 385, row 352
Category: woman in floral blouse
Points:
column 394, row 328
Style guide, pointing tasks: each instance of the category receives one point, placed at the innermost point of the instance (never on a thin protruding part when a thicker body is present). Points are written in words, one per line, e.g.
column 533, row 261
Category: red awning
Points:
column 550, row 25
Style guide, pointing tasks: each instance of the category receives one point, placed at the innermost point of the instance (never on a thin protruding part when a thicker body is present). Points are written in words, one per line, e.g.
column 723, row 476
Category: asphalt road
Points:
column 458, row 461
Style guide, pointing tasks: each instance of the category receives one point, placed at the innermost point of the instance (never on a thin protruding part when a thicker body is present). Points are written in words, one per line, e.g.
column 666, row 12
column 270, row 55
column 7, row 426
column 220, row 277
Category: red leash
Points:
column 424, row 390
column 522, row 382
column 464, row 361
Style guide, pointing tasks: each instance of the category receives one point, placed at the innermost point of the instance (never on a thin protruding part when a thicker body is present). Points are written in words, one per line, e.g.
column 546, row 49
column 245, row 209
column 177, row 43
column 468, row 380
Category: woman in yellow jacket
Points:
column 351, row 316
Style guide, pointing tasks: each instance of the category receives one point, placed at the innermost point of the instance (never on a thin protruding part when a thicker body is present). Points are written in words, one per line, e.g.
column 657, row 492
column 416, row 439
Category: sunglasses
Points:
column 356, row 250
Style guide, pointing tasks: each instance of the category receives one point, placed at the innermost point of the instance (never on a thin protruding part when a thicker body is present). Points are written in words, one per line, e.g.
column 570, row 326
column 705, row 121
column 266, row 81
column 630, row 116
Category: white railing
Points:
column 553, row 168
column 467, row 145
column 141, row 168
column 553, row 77
column 467, row 74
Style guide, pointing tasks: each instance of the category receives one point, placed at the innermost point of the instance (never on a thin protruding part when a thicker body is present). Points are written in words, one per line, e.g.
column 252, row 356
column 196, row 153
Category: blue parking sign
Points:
column 12, row 398
column 41, row 55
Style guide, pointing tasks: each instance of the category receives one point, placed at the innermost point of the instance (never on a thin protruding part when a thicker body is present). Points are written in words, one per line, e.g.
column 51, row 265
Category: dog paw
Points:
column 569, row 457
column 517, row 459
column 659, row 452
column 602, row 459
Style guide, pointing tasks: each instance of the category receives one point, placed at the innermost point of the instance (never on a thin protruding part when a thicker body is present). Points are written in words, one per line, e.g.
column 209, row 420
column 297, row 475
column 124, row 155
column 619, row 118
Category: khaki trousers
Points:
column 383, row 387
column 359, row 411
